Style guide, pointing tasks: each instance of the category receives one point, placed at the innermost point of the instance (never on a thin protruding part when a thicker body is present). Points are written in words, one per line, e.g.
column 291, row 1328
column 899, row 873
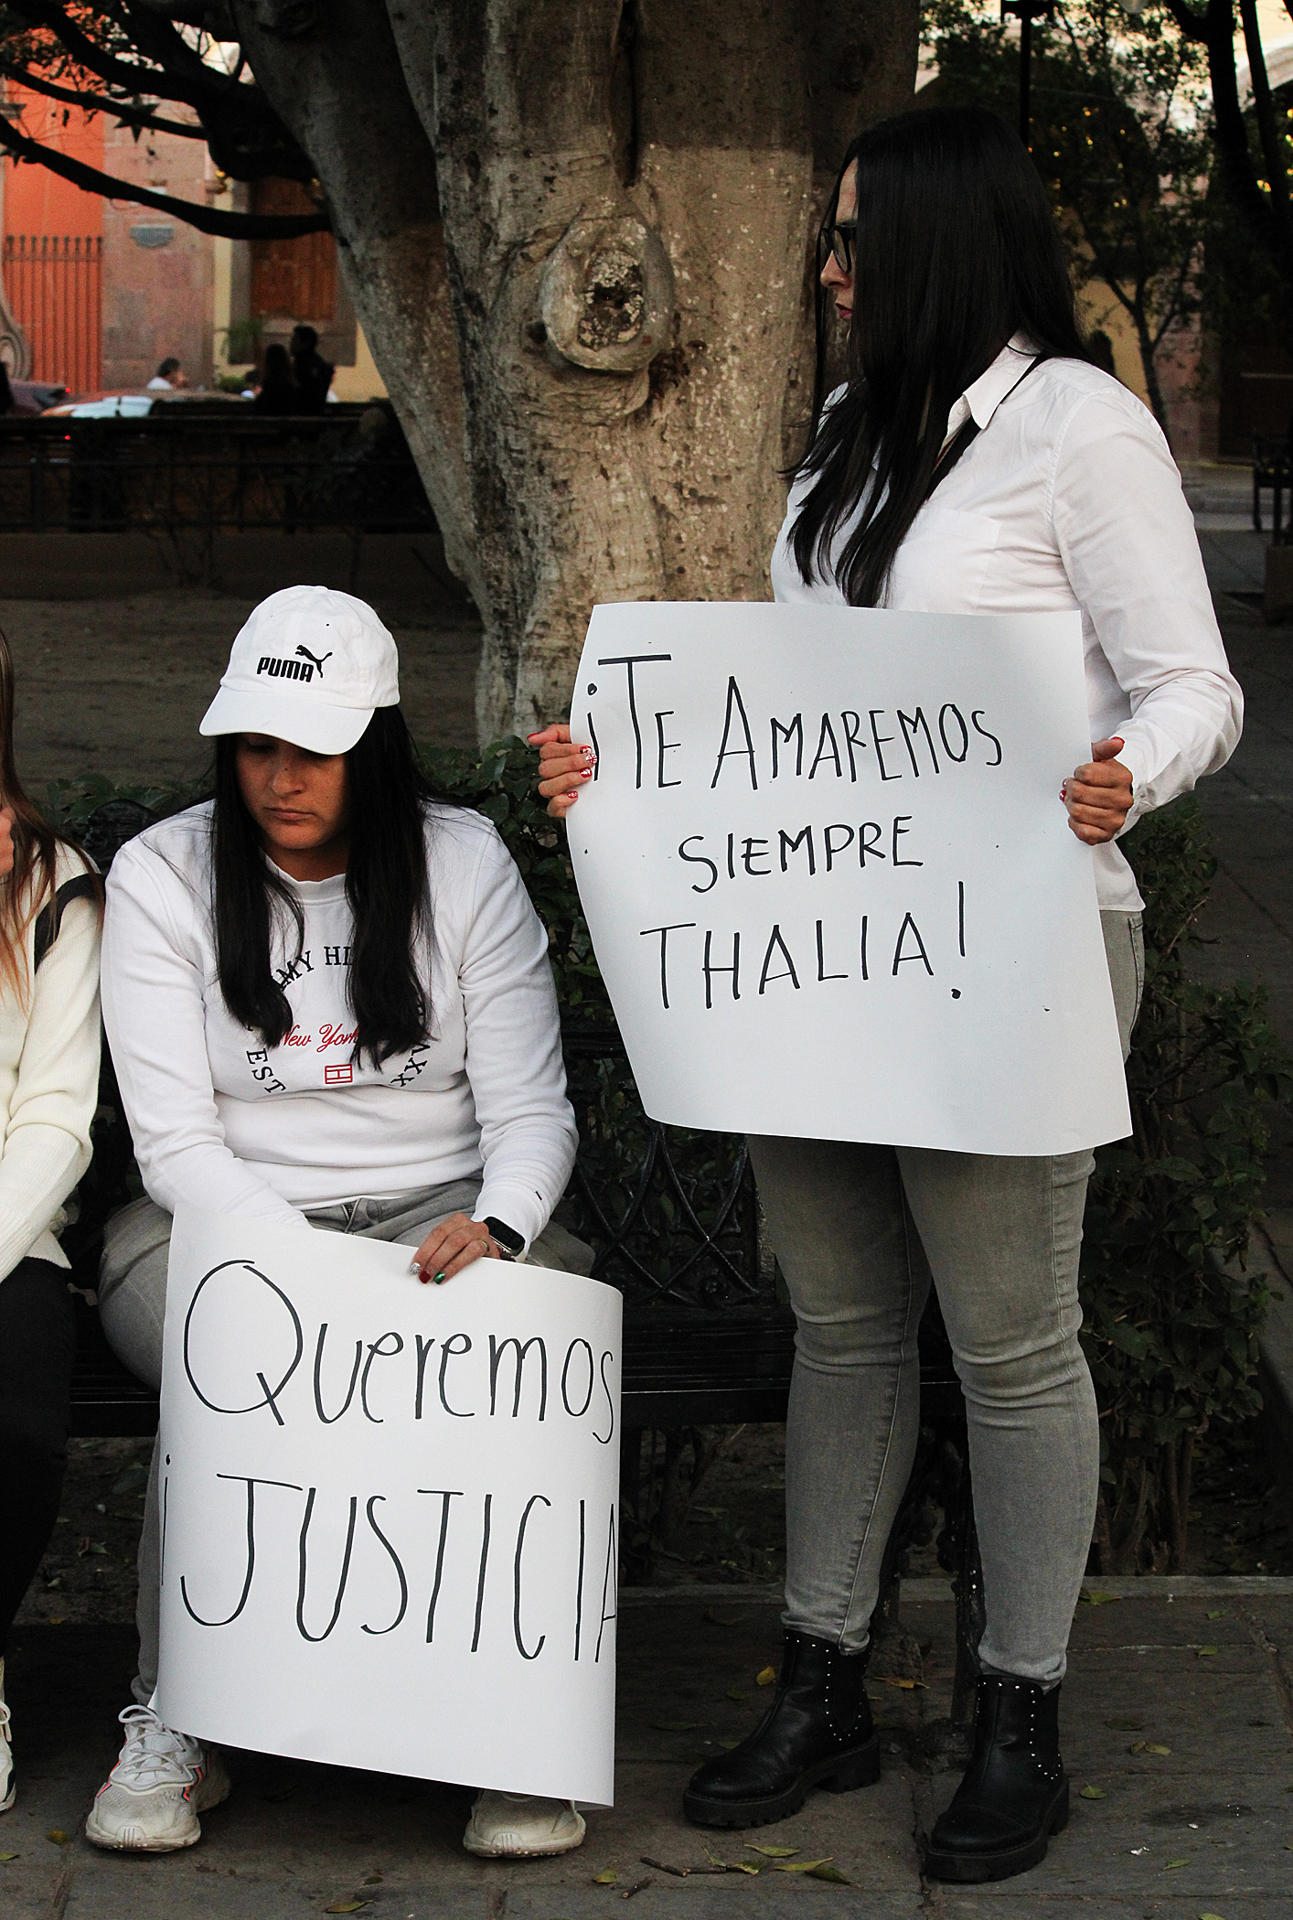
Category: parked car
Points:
column 131, row 404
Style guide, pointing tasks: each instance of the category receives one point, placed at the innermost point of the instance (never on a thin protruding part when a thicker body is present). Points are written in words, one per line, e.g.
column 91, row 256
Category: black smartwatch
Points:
column 509, row 1242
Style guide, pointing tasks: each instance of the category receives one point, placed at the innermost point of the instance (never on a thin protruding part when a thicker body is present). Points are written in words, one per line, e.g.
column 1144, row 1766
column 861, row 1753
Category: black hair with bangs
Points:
column 386, row 885
column 956, row 250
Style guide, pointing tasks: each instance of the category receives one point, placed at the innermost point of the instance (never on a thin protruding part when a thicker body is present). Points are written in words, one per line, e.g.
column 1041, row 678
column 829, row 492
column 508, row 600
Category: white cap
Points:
column 310, row 666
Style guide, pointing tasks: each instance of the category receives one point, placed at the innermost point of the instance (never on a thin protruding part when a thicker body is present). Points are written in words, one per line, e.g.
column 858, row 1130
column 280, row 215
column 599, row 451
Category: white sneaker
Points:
column 521, row 1826
column 151, row 1800
column 8, row 1791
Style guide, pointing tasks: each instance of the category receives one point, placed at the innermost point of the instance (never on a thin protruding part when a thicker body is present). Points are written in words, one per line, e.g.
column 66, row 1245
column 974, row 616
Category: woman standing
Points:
column 321, row 893
column 49, row 1078
column 972, row 461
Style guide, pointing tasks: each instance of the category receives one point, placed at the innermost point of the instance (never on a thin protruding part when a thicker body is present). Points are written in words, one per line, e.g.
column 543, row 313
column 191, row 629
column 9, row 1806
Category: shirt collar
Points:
column 981, row 400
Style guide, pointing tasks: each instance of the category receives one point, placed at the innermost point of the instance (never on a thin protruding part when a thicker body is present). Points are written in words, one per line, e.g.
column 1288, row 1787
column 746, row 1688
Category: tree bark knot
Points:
column 606, row 294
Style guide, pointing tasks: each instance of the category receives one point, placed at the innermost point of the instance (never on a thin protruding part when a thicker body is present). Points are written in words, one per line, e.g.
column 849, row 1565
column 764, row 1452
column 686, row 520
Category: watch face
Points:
column 506, row 1236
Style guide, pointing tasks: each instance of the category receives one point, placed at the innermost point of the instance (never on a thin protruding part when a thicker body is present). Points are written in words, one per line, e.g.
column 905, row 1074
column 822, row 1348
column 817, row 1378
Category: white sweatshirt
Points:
column 49, row 1079
column 223, row 1122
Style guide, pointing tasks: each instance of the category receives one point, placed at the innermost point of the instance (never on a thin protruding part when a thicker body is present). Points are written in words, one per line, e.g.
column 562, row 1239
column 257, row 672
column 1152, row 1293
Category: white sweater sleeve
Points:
column 514, row 1064
column 47, row 1138
column 154, row 1015
column 1128, row 544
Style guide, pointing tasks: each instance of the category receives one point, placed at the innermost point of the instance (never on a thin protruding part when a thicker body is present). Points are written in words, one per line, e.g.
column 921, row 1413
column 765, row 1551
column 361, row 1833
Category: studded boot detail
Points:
column 1014, row 1795
column 816, row 1733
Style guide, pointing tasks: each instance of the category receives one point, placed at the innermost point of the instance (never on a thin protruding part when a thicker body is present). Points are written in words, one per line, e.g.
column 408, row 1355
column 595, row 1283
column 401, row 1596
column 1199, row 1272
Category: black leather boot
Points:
column 1014, row 1796
column 816, row 1733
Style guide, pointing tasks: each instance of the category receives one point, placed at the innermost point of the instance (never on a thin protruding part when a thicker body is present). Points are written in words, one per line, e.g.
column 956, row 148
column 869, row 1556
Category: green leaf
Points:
column 774, row 1853
column 1092, row 1793
column 828, row 1872
column 1204, row 1653
column 1170, row 1866
column 10, row 1856
column 57, row 1835
column 1092, row 1597
column 674, row 1726
column 606, row 1878
column 801, row 1866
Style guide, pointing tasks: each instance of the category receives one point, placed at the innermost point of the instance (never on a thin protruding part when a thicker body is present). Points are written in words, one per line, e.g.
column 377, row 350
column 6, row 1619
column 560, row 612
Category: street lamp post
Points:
column 1026, row 11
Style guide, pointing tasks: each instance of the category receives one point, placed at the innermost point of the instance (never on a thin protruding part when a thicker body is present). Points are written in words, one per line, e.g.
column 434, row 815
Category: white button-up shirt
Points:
column 1068, row 498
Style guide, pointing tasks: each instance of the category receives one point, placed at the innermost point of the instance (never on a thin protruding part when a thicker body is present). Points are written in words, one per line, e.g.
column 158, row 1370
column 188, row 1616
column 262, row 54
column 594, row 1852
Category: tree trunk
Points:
column 576, row 234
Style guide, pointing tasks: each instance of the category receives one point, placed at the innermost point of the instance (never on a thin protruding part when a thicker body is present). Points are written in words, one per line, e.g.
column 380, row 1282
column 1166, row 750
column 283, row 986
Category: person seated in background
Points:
column 313, row 374
column 277, row 392
column 170, row 374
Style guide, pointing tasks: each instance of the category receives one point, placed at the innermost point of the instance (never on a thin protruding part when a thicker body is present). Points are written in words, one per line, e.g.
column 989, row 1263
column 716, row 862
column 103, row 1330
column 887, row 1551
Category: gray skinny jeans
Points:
column 857, row 1230
column 132, row 1305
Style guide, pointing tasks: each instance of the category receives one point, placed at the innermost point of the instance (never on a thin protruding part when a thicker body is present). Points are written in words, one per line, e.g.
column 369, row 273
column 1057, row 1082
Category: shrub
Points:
column 1172, row 1314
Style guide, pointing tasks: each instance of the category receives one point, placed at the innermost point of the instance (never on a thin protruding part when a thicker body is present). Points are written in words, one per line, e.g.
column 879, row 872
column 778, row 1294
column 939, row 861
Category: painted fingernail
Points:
column 437, row 1277
column 587, row 752
column 1064, row 791
column 585, row 773
column 573, row 794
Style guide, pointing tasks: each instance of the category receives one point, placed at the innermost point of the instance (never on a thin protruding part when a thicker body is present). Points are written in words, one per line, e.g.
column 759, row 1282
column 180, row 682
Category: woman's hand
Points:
column 6, row 841
column 453, row 1245
column 1098, row 796
column 563, row 768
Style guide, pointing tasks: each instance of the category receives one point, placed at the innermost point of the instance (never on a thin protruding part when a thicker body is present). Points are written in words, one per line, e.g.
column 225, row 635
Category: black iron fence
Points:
column 178, row 471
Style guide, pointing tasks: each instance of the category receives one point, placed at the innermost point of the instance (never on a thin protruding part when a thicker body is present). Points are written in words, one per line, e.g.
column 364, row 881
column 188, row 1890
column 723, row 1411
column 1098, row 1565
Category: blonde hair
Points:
column 35, row 848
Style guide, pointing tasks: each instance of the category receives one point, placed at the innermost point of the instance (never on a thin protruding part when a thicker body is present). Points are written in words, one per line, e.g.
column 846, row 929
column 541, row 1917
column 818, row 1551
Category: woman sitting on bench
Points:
column 49, row 1078
column 321, row 889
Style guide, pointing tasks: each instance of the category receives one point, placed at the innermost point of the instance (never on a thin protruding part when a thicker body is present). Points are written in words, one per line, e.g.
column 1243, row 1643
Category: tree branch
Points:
column 127, row 116
column 133, row 77
column 235, row 226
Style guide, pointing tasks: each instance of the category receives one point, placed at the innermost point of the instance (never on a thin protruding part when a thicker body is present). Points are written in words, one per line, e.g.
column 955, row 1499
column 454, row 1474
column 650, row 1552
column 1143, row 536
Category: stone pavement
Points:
column 1177, row 1739
column 1178, row 1712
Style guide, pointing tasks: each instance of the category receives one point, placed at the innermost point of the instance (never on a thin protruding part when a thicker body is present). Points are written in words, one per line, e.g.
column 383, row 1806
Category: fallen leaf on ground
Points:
column 1092, row 1597
column 801, row 1866
column 10, row 1856
column 737, row 1693
column 765, row 1676
column 774, row 1853
column 828, row 1872
column 1205, row 1652
column 675, row 1726
column 1148, row 1746
column 904, row 1686
column 57, row 1835
column 606, row 1878
column 1168, row 1865
column 1092, row 1793
column 1209, row 1916
column 346, row 1906
column 1218, row 1613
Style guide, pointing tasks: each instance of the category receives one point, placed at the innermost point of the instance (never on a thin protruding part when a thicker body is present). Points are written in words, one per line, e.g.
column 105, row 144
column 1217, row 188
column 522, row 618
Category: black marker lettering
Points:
column 974, row 722
column 497, row 1348
column 795, row 732
column 609, row 1569
column 628, row 662
column 577, row 1413
column 824, row 751
column 901, row 828
column 880, row 741
column 821, row 961
column 449, row 1350
column 303, row 1556
column 710, row 970
column 735, row 705
column 377, row 1350
column 777, row 944
column 480, row 1577
column 269, row 1394
column 752, row 850
column 399, row 1572
column 920, row 954
column 442, row 1494
column 664, row 746
column 787, row 846
column 320, row 1343
column 664, row 932
column 869, row 835
column 521, row 1647
column 699, row 860
column 851, row 723
column 424, row 1346
column 836, row 840
column 961, row 736
column 911, row 725
column 251, row 1486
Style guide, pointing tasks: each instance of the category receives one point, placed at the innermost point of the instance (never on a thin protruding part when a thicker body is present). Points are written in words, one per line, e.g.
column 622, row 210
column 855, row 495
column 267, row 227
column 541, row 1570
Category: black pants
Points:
column 37, row 1338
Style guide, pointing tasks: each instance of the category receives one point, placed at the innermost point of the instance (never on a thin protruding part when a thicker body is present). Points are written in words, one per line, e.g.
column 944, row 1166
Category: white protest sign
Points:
column 829, row 880
column 389, row 1509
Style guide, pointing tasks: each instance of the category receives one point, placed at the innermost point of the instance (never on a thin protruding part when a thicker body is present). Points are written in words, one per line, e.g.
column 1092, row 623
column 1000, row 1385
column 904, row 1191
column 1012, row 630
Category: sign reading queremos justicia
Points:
column 376, row 1491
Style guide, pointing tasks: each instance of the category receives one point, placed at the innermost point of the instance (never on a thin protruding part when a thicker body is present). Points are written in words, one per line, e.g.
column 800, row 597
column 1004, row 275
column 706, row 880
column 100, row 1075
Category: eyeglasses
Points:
column 842, row 240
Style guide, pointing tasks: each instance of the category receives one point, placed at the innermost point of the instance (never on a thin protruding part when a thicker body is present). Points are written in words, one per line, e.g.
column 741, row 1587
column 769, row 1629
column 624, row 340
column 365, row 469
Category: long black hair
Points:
column 956, row 249
column 386, row 885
